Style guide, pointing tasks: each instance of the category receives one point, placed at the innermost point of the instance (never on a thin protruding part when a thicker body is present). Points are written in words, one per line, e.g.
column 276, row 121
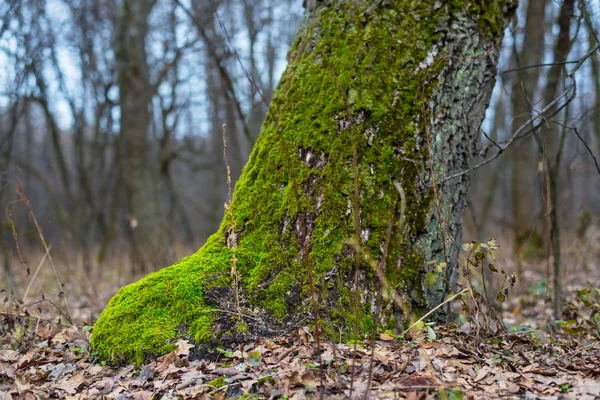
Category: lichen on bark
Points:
column 375, row 77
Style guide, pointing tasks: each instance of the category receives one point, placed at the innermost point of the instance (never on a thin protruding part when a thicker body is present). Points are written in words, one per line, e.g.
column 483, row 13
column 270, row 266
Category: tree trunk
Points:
column 376, row 95
column 524, row 155
column 552, row 149
column 147, row 222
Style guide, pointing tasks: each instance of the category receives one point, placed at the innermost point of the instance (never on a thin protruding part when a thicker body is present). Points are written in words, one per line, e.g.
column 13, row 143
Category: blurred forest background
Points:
column 111, row 136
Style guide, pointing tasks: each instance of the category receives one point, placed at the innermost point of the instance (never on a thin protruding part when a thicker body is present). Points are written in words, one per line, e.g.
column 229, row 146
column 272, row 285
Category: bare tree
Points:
column 147, row 221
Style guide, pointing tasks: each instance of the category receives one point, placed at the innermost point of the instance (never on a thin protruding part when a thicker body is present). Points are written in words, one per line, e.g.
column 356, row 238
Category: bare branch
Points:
column 521, row 129
column 588, row 149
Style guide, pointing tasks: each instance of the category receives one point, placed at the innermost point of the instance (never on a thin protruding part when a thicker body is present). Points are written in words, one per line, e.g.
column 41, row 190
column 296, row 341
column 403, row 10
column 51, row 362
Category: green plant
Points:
column 476, row 303
column 583, row 313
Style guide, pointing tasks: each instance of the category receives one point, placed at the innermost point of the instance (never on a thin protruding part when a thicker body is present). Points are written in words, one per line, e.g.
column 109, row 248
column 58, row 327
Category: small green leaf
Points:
column 501, row 297
column 420, row 325
column 226, row 353
column 431, row 334
column 455, row 395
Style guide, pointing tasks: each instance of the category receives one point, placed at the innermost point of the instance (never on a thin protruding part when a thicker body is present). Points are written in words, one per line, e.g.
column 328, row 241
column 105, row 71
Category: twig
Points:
column 515, row 135
column 25, row 200
column 582, row 60
column 239, row 58
column 434, row 309
column 588, row 149
column 436, row 199
column 379, row 300
column 518, row 132
column 491, row 140
column 538, row 66
column 576, row 351
column 37, row 270
column 53, row 304
column 230, row 90
column 35, row 317
column 356, row 204
column 15, row 235
column 231, row 239
column 233, row 313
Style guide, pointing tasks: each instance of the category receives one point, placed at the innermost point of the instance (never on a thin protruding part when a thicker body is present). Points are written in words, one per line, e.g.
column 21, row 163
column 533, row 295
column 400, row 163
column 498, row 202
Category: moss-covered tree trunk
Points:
column 376, row 96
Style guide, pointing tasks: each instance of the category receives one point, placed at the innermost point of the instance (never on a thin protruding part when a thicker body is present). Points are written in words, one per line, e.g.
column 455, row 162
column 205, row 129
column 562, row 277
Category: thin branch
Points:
column 539, row 66
column 491, row 140
column 233, row 313
column 37, row 270
column 583, row 59
column 434, row 309
column 518, row 132
column 588, row 149
column 230, row 90
column 254, row 85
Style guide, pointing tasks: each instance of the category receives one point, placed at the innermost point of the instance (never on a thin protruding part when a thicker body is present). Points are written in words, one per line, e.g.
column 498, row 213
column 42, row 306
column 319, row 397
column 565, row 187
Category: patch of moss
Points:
column 218, row 382
column 145, row 318
column 265, row 379
column 491, row 14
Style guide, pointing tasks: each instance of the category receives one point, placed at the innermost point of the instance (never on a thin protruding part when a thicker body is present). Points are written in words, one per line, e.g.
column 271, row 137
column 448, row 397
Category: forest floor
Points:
column 535, row 357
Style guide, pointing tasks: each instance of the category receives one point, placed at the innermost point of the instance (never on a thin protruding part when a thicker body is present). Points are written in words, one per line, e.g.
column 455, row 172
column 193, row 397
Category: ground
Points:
column 533, row 358
column 453, row 365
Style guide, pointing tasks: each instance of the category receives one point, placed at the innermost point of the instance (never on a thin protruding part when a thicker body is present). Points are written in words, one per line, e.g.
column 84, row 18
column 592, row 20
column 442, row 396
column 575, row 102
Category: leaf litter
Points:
column 57, row 364
column 533, row 358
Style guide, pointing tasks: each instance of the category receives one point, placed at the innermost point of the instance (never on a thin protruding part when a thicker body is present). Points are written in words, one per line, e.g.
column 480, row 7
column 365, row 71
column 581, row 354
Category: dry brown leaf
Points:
column 9, row 355
column 143, row 395
column 70, row 385
column 166, row 360
column 183, row 347
column 482, row 373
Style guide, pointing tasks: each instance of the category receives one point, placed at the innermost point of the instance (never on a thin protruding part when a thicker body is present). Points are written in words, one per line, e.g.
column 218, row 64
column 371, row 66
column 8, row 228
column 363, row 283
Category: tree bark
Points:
column 147, row 222
column 377, row 95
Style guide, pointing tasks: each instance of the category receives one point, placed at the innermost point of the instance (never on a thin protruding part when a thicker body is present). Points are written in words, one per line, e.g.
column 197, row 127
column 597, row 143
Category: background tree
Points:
column 147, row 221
column 523, row 98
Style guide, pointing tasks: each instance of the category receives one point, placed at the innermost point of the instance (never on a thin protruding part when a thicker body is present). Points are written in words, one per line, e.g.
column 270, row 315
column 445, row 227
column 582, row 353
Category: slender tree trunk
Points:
column 525, row 83
column 149, row 234
column 377, row 96
column 593, row 36
column 7, row 135
column 554, row 148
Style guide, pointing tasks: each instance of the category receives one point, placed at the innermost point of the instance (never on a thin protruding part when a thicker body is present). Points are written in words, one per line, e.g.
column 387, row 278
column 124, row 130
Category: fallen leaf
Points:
column 183, row 348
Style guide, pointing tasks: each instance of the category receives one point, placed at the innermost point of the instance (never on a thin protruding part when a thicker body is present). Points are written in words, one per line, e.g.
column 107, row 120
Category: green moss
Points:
column 146, row 317
column 353, row 81
column 218, row 382
column 491, row 14
column 242, row 327
column 265, row 379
